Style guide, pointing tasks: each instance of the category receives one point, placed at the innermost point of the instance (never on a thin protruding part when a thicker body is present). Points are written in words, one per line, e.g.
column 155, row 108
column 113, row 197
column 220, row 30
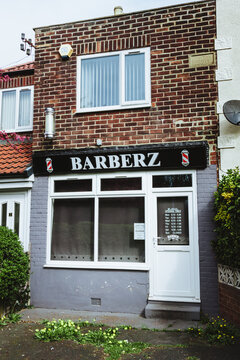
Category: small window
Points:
column 120, row 184
column 73, row 185
column 114, row 80
column 173, row 221
column 159, row 181
column 16, row 109
column 4, row 214
column 16, row 217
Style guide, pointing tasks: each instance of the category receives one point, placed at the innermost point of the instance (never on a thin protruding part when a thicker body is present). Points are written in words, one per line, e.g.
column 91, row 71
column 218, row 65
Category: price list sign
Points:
column 173, row 221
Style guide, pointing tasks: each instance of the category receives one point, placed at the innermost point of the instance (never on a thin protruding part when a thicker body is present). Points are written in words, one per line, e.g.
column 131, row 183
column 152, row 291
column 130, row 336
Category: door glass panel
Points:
column 72, row 231
column 121, row 184
column 117, row 217
column 172, row 180
column 172, row 215
column 16, row 217
column 4, row 214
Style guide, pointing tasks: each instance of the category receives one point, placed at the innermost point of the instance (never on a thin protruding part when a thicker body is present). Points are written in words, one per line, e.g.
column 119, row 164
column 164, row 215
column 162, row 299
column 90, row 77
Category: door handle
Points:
column 155, row 240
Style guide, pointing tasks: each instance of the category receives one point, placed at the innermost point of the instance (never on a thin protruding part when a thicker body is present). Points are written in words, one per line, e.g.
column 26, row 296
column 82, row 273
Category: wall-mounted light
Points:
column 49, row 123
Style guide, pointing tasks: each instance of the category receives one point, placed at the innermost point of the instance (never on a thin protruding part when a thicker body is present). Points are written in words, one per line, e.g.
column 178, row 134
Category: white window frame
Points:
column 122, row 103
column 96, row 195
column 18, row 128
column 148, row 192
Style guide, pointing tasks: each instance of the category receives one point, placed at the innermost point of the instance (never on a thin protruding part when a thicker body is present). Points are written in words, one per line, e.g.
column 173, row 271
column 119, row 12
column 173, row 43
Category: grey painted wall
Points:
column 119, row 291
column 207, row 185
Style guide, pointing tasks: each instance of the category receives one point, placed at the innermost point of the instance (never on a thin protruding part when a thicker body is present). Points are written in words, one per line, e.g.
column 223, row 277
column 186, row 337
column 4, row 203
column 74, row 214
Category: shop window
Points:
column 95, row 227
column 114, row 80
column 72, row 230
column 117, row 217
column 16, row 109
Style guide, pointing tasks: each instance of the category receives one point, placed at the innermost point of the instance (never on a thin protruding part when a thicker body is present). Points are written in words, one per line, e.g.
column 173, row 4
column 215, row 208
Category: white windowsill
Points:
column 112, row 108
column 17, row 130
column 104, row 266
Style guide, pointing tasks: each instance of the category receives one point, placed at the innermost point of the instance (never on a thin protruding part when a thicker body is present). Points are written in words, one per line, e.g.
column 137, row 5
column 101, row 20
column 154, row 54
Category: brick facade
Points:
column 183, row 98
column 22, row 75
column 17, row 80
column 229, row 302
column 182, row 110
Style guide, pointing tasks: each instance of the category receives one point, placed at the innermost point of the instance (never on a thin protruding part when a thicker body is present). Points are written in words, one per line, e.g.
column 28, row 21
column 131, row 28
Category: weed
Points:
column 9, row 319
column 217, row 331
column 106, row 338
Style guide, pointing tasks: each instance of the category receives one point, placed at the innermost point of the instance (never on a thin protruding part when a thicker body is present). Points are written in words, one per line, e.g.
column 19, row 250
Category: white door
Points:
column 174, row 272
column 13, row 213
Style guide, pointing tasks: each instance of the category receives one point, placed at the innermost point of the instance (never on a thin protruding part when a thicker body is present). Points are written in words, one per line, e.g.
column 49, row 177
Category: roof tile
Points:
column 26, row 66
column 15, row 158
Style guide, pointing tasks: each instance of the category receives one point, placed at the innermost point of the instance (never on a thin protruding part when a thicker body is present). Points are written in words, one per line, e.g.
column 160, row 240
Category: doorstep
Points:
column 172, row 310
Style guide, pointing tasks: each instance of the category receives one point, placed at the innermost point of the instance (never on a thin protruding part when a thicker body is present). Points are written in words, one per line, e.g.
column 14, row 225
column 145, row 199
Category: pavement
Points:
column 110, row 319
column 17, row 341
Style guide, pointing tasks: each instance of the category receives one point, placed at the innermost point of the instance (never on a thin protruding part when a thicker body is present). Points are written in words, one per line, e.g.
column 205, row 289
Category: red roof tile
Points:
column 22, row 67
column 15, row 158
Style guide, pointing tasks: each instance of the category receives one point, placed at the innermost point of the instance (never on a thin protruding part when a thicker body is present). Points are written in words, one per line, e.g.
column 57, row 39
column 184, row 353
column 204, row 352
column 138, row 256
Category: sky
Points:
column 21, row 16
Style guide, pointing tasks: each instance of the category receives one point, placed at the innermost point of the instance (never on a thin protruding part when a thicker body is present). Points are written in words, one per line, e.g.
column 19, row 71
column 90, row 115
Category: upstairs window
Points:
column 16, row 109
column 113, row 81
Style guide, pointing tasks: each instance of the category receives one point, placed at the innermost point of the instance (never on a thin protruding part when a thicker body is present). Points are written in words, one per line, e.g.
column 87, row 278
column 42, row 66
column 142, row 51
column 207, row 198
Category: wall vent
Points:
column 96, row 301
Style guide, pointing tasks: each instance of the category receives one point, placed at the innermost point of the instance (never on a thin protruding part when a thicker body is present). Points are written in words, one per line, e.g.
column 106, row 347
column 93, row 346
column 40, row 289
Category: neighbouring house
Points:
column 228, row 79
column 125, row 163
column 16, row 179
column 227, row 76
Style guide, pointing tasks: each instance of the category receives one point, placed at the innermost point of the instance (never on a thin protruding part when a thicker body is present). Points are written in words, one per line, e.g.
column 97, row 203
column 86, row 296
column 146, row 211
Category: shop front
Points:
column 120, row 227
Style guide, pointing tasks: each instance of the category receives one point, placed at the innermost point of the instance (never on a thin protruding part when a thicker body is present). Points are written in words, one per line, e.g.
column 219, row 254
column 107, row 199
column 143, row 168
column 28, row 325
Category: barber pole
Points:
column 49, row 165
column 185, row 157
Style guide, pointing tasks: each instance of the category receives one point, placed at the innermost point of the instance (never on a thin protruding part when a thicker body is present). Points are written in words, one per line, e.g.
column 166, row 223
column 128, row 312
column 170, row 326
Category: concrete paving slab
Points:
column 110, row 319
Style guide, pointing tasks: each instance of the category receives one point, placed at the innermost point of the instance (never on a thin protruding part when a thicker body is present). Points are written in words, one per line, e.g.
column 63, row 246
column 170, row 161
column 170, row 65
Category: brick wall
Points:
column 183, row 99
column 17, row 81
column 229, row 301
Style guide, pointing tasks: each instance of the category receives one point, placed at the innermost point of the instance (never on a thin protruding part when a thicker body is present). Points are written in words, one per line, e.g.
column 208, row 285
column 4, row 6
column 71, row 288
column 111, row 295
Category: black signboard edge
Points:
column 40, row 155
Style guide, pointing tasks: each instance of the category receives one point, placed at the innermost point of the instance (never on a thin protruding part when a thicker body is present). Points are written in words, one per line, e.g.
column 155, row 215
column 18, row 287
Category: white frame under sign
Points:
column 148, row 192
column 97, row 194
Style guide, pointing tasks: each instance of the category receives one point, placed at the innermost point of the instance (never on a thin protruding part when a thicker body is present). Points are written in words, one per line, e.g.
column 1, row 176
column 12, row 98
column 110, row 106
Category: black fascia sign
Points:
column 120, row 159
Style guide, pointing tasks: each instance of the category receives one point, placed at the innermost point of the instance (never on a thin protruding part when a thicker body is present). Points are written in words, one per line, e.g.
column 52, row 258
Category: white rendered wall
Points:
column 227, row 45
